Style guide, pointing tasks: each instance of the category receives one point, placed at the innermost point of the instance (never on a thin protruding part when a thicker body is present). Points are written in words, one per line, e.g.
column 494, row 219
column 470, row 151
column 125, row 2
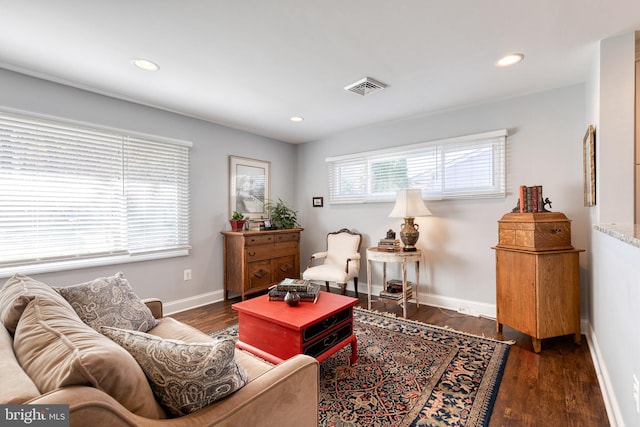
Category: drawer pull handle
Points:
column 329, row 322
column 556, row 230
column 330, row 340
column 251, row 253
column 285, row 268
column 260, row 273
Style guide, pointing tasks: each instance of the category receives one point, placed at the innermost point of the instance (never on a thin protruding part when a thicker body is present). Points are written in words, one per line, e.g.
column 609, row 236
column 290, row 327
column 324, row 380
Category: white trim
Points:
column 87, row 263
column 606, row 387
column 95, row 126
column 394, row 150
column 180, row 305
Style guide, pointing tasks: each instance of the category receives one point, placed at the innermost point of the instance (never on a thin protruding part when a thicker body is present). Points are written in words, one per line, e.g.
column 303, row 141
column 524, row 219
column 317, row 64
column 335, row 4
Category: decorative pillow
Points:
column 109, row 301
column 16, row 294
column 184, row 376
column 56, row 349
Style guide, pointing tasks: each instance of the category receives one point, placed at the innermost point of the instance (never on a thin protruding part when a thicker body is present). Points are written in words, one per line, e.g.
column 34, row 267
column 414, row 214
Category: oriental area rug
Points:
column 408, row 374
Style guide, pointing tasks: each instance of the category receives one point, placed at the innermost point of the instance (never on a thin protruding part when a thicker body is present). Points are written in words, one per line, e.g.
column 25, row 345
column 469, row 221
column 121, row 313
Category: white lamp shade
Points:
column 409, row 203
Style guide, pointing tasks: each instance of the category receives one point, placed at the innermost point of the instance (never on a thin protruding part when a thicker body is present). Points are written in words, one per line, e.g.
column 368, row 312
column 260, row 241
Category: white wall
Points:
column 615, row 133
column 615, row 265
column 212, row 144
column 544, row 148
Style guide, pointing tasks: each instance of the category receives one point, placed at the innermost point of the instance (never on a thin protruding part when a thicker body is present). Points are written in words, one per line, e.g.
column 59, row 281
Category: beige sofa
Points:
column 281, row 395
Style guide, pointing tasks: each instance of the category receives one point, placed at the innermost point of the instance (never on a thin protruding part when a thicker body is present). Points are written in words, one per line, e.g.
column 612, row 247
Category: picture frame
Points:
column 589, row 166
column 318, row 202
column 249, row 187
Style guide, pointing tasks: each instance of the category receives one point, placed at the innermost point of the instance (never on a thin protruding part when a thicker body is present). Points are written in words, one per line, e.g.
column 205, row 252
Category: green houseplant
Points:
column 237, row 221
column 281, row 215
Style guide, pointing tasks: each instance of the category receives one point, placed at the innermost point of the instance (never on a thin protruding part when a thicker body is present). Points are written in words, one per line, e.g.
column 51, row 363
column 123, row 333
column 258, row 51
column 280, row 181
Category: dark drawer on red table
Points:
column 317, row 348
column 323, row 326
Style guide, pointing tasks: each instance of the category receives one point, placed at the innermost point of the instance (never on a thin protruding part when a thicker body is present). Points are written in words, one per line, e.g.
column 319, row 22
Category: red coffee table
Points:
column 275, row 331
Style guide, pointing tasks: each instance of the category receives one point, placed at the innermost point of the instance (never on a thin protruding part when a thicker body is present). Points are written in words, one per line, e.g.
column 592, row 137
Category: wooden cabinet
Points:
column 538, row 291
column 255, row 260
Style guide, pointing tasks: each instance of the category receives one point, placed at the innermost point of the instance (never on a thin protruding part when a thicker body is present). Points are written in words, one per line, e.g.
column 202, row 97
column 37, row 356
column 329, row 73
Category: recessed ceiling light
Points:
column 296, row 119
column 511, row 59
column 145, row 64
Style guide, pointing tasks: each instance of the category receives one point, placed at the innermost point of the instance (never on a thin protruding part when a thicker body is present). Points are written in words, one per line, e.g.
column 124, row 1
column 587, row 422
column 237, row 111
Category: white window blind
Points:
column 69, row 192
column 471, row 166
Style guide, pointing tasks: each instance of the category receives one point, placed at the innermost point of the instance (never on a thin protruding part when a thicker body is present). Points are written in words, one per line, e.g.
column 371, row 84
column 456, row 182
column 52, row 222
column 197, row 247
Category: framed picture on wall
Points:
column 589, row 163
column 249, row 184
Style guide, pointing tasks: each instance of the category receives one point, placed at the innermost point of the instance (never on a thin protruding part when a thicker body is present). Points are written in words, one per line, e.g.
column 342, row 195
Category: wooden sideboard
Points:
column 537, row 277
column 255, row 260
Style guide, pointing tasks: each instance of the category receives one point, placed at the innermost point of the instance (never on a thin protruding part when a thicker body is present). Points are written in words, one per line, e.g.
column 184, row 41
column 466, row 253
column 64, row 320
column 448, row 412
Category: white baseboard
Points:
column 610, row 402
column 471, row 308
column 177, row 306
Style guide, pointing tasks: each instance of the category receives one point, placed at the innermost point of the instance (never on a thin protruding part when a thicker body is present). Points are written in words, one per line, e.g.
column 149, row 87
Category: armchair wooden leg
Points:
column 327, row 283
column 355, row 285
column 343, row 288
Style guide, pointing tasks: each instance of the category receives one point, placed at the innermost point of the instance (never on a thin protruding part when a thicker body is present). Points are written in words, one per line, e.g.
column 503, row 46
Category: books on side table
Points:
column 390, row 245
column 393, row 291
column 304, row 288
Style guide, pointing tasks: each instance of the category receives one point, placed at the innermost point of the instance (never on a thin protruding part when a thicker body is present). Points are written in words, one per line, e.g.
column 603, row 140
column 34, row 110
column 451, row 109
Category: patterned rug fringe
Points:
column 446, row 327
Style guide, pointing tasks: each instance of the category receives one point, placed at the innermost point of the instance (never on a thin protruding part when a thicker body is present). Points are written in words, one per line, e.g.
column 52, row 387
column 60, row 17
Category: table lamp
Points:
column 409, row 204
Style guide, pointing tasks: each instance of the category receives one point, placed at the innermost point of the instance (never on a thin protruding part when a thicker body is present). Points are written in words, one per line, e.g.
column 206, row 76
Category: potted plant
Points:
column 281, row 215
column 237, row 221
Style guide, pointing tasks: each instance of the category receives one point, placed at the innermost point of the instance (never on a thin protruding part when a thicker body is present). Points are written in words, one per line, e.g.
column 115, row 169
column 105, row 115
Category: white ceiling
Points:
column 252, row 64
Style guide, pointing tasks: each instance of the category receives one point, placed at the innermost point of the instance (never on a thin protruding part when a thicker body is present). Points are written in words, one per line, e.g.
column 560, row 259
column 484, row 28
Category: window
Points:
column 71, row 193
column 463, row 167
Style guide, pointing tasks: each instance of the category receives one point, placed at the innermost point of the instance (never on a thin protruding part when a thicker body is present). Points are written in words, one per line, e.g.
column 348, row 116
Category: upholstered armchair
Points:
column 341, row 260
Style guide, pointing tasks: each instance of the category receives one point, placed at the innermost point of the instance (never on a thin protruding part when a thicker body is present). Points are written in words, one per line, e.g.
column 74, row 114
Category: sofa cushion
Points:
column 16, row 294
column 56, row 349
column 109, row 301
column 16, row 387
column 184, row 376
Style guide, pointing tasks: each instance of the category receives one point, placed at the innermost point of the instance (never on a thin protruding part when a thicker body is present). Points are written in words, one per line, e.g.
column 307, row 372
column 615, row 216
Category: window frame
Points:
column 11, row 143
column 351, row 177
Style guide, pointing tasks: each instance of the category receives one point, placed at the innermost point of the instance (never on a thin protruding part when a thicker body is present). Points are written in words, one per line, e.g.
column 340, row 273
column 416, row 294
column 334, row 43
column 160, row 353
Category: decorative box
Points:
column 541, row 231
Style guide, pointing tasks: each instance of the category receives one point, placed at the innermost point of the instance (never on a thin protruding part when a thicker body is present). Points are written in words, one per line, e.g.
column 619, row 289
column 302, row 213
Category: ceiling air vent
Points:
column 366, row 86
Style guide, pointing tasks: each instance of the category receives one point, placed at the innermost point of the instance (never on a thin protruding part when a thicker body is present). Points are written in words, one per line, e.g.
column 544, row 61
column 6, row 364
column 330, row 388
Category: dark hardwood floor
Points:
column 557, row 387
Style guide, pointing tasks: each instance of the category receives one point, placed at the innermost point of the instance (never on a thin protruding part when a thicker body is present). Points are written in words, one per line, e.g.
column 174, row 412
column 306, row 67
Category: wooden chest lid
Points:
column 534, row 217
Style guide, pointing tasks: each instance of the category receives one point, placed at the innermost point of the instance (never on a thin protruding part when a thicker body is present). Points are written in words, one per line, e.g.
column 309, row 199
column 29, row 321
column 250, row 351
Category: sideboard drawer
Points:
column 316, row 348
column 288, row 237
column 321, row 327
column 259, row 240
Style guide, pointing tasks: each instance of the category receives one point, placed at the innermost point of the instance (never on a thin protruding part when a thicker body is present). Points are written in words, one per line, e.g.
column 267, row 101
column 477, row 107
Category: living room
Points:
column 545, row 131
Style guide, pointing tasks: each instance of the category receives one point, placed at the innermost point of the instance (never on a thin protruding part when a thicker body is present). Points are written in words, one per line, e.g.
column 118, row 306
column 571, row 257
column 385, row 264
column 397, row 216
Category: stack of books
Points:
column 390, row 245
column 305, row 289
column 393, row 292
column 530, row 199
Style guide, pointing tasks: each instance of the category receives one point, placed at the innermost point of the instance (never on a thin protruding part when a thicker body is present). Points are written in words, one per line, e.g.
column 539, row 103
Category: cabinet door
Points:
column 558, row 294
column 516, row 290
column 258, row 274
column 285, row 267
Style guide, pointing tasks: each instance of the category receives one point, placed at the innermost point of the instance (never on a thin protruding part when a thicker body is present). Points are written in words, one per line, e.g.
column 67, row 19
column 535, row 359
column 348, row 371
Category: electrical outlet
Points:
column 187, row 275
column 636, row 393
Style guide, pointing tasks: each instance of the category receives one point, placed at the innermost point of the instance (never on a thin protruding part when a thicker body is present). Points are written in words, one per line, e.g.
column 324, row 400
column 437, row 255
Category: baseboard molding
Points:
column 471, row 308
column 610, row 402
column 177, row 306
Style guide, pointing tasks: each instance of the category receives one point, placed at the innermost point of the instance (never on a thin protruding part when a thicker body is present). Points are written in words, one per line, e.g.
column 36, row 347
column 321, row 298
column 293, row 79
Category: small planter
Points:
column 237, row 224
